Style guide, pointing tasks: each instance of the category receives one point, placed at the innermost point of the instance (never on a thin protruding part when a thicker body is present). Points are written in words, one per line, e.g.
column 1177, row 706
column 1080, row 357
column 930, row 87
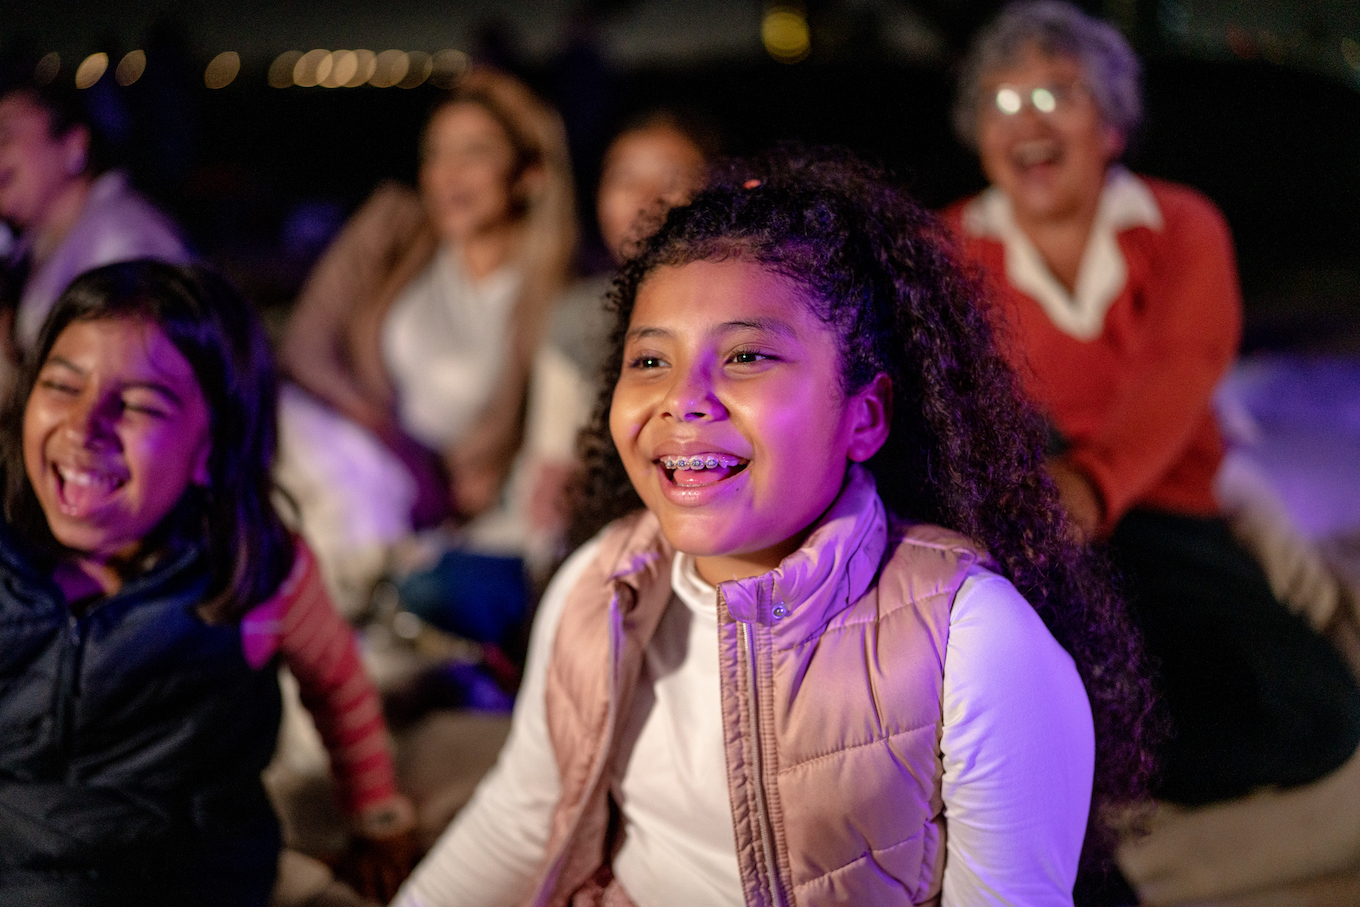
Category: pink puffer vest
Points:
column 833, row 671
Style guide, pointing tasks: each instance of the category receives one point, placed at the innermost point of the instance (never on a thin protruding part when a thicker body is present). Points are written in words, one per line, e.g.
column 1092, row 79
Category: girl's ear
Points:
column 870, row 418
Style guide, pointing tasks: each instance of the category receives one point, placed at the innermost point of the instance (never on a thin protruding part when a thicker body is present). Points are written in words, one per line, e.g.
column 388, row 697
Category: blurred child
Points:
column 146, row 586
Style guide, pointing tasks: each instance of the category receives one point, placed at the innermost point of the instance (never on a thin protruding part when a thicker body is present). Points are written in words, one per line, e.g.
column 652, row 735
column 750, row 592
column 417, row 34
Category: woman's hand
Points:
column 1079, row 498
column 433, row 503
column 475, row 490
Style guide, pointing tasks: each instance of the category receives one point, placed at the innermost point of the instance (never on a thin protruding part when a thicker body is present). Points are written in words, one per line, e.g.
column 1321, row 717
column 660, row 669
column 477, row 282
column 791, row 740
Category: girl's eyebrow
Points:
column 768, row 325
column 64, row 363
column 639, row 333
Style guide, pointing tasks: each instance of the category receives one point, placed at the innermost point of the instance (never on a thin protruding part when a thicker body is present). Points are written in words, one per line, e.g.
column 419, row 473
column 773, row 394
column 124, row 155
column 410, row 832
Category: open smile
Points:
column 80, row 491
column 1039, row 153
column 700, row 469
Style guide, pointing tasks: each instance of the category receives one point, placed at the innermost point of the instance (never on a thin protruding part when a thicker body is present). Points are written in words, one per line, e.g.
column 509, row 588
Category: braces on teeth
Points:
column 708, row 461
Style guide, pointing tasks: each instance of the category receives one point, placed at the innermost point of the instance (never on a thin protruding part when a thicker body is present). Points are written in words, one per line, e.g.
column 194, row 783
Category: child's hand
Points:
column 384, row 850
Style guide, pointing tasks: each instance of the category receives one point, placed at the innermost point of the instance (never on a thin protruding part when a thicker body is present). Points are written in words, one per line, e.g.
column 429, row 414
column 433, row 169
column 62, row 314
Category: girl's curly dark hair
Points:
column 965, row 450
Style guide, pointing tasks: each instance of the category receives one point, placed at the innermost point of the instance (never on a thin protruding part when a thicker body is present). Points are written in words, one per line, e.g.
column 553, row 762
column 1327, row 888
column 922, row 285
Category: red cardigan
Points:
column 1134, row 401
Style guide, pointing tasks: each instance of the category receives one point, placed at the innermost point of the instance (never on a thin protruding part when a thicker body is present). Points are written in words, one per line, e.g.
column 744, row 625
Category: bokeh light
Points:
column 366, row 63
column 449, row 66
column 312, row 68
column 1350, row 52
column 391, row 67
column 786, row 34
column 344, row 64
column 223, row 69
column 130, row 68
column 47, row 69
column 91, row 70
column 418, row 68
column 281, row 70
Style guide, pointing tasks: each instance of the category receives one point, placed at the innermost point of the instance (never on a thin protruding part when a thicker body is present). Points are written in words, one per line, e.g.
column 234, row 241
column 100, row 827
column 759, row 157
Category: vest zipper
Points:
column 758, row 776
column 69, row 688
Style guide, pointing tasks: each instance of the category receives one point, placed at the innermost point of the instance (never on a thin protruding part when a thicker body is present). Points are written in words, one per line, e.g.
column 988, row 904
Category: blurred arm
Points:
column 339, row 299
column 1019, row 750
column 1192, row 313
column 318, row 646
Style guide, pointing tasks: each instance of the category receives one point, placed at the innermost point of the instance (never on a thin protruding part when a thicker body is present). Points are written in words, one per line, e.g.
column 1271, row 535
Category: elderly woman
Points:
column 1123, row 309
column 412, row 342
column 71, row 213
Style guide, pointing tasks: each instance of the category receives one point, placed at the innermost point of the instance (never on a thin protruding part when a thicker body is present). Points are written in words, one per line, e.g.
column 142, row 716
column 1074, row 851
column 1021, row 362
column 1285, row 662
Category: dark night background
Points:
column 1255, row 104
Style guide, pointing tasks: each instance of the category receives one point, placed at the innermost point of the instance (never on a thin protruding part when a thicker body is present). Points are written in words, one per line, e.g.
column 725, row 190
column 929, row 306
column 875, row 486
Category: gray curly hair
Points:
column 1057, row 29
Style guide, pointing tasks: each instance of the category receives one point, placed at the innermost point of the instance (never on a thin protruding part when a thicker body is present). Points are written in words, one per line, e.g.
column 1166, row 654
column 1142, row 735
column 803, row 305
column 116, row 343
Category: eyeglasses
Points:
column 1045, row 99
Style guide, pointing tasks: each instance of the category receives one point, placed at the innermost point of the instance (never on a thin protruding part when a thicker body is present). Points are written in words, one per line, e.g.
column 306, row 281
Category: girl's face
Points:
column 34, row 164
column 1041, row 138
column 726, row 362
column 115, row 431
column 467, row 173
column 642, row 168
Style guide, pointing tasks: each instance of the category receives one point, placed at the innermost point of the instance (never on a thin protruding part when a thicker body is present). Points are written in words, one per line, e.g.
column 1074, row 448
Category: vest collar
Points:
column 834, row 568
column 641, row 547
column 1125, row 202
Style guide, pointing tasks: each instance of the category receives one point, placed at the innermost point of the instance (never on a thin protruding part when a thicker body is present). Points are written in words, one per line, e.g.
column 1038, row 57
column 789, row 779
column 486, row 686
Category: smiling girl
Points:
column 146, row 584
column 830, row 644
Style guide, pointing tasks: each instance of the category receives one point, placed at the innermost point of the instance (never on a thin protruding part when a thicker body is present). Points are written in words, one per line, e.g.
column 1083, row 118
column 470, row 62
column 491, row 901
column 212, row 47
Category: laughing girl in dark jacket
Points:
column 146, row 584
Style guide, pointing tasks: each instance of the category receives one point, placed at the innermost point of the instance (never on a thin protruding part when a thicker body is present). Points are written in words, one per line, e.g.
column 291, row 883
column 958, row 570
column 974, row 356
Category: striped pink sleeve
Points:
column 318, row 646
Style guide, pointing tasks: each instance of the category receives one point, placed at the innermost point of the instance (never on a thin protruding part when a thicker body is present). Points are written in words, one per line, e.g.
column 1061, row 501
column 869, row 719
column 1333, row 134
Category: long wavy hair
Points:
column 544, row 252
column 248, row 549
column 965, row 450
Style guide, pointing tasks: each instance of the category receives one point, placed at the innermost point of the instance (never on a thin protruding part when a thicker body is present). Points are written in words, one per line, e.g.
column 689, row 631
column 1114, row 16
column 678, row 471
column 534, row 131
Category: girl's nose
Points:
column 90, row 421
column 692, row 396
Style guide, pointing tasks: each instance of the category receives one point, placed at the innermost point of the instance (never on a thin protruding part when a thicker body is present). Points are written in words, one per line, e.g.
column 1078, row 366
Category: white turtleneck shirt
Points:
column 1017, row 744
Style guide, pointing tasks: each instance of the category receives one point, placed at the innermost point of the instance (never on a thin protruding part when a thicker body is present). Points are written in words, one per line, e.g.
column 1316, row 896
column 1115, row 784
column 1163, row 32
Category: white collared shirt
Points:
column 1125, row 202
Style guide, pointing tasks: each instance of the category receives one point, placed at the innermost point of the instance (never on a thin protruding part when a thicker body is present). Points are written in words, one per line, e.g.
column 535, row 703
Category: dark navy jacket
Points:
column 131, row 745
